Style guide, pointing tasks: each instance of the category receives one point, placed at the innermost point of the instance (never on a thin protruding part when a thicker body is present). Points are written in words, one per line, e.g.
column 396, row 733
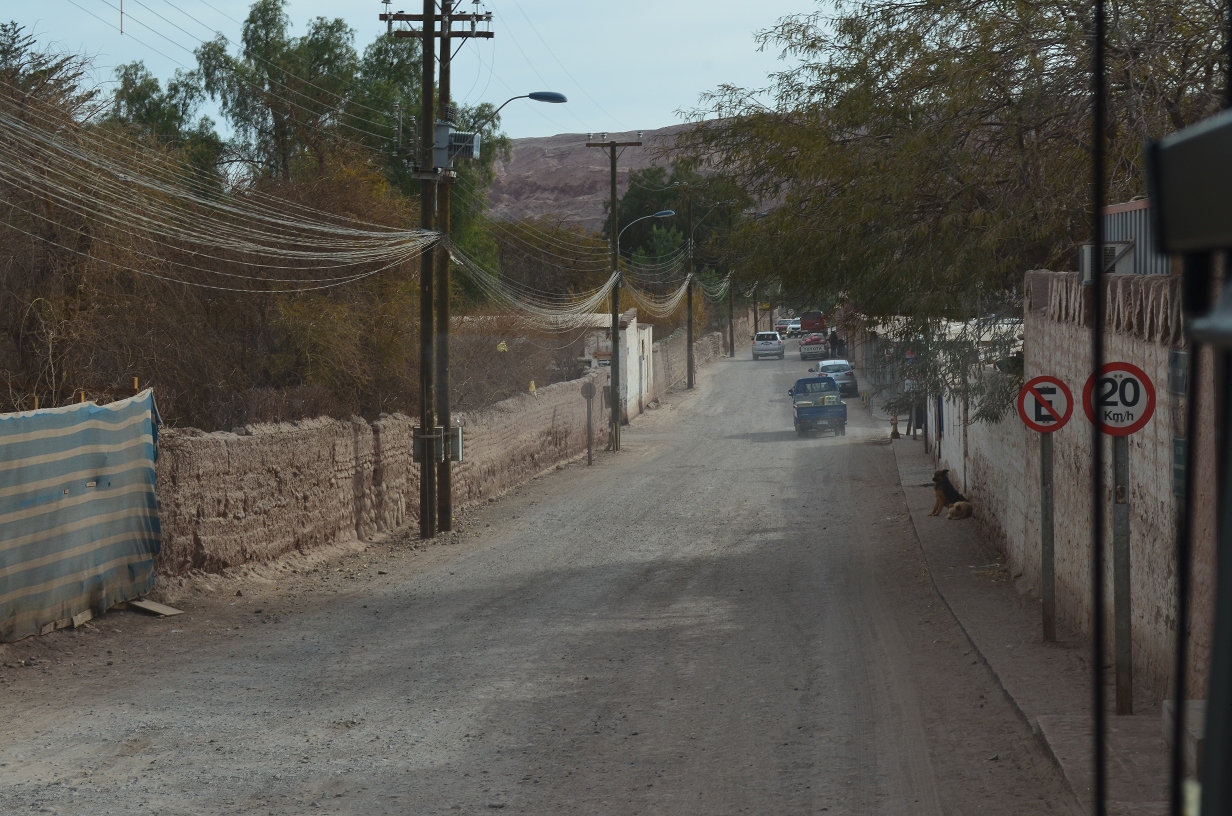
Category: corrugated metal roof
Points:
column 1131, row 222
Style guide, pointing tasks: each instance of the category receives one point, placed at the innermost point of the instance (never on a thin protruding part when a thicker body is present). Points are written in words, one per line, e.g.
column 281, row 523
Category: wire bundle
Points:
column 75, row 179
column 715, row 291
column 546, row 311
column 660, row 306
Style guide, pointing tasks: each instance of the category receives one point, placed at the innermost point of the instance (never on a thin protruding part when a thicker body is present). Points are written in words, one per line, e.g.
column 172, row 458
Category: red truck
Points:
column 812, row 322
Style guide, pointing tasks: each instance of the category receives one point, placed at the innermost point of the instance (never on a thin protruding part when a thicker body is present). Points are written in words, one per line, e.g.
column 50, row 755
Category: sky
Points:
column 624, row 64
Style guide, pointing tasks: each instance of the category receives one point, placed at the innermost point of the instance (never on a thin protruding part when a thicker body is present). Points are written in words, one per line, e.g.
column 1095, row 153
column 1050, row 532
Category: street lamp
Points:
column 551, row 97
column 659, row 214
column 436, row 303
column 614, row 434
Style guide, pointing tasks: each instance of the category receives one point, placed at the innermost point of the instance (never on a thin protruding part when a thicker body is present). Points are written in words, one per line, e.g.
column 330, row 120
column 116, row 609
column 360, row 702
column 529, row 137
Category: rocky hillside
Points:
column 559, row 176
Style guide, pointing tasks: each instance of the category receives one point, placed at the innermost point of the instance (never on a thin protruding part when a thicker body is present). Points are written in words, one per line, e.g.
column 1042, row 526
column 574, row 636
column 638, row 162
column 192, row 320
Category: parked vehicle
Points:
column 812, row 322
column 813, row 346
column 841, row 372
column 817, row 405
column 767, row 344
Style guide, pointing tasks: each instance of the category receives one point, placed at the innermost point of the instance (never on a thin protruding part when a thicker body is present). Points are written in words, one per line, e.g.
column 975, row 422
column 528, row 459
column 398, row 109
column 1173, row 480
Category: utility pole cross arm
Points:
column 459, row 35
column 416, row 18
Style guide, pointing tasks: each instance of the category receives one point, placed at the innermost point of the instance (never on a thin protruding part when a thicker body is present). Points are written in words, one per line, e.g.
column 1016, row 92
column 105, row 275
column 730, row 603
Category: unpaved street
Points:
column 720, row 619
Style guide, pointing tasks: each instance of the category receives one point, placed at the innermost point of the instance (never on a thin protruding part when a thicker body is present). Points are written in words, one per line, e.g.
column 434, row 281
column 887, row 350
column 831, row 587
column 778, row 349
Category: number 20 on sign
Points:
column 1123, row 395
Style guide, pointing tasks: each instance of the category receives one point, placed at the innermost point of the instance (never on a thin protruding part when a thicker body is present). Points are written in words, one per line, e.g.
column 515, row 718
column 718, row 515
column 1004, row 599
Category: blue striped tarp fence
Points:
column 78, row 516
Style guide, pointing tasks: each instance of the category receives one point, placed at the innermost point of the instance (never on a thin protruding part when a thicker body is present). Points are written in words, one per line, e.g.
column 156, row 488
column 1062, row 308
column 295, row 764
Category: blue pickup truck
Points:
column 818, row 405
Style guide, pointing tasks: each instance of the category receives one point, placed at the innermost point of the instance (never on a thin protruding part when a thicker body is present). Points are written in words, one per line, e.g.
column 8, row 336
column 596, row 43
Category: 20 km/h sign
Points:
column 1123, row 395
column 1045, row 404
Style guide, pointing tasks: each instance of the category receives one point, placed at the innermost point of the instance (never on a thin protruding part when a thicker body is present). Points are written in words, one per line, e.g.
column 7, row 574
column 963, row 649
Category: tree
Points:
column 288, row 98
column 170, row 115
column 663, row 243
column 921, row 156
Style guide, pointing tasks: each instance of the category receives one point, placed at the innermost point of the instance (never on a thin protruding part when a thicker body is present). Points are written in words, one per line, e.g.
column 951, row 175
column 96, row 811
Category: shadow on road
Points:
column 766, row 436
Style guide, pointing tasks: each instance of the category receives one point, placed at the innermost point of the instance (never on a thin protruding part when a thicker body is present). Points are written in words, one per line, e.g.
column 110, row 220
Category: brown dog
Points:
column 947, row 495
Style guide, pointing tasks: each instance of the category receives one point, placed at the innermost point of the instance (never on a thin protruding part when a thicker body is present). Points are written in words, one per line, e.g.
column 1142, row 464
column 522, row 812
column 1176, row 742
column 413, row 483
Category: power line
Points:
column 566, row 70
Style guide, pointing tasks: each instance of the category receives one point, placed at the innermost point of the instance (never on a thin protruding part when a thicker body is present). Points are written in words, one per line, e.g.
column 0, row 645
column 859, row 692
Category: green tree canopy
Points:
column 921, row 155
column 918, row 157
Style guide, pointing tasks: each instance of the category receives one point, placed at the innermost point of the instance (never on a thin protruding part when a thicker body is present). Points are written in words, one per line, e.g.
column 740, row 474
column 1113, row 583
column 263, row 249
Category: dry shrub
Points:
column 87, row 303
column 482, row 375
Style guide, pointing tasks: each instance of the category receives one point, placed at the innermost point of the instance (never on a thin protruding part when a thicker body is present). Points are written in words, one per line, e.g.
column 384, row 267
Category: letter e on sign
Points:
column 1123, row 395
column 1045, row 404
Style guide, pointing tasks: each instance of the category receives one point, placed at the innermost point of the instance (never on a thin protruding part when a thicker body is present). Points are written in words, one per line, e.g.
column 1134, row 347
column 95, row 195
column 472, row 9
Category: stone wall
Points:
column 998, row 466
column 267, row 490
column 670, row 355
column 233, row 498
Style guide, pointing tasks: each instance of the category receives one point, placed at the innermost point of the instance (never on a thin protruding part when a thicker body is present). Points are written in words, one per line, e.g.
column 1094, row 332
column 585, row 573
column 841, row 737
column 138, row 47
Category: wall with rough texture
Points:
column 230, row 498
column 671, row 367
column 999, row 467
column 267, row 490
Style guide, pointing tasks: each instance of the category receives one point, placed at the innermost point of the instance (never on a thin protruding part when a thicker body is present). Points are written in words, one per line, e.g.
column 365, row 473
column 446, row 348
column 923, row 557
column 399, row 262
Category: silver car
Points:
column 767, row 344
column 841, row 372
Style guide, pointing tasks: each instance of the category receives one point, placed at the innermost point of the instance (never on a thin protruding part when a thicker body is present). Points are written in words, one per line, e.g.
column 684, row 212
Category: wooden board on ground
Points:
column 155, row 608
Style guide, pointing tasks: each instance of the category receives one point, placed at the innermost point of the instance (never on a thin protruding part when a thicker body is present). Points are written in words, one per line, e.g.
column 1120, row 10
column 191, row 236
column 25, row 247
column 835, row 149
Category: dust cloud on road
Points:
column 720, row 619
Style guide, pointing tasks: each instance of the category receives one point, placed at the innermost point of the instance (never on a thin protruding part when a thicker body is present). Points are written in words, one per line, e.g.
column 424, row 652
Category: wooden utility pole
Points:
column 427, row 220
column 444, row 469
column 612, row 146
column 436, row 485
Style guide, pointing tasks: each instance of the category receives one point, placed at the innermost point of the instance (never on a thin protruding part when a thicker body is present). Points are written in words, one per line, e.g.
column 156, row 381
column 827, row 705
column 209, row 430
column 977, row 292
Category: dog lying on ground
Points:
column 949, row 497
column 960, row 510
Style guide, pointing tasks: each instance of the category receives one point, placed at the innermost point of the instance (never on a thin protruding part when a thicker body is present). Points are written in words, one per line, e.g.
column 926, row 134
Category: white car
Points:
column 841, row 372
column 767, row 344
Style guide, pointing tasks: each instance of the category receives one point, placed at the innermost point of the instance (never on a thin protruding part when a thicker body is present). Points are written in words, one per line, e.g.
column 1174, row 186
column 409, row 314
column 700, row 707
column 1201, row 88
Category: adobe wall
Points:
column 999, row 467
column 670, row 363
column 233, row 498
column 266, row 490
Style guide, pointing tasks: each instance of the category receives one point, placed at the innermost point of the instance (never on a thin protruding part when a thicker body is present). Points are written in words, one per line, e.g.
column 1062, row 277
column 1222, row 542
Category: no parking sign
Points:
column 1045, row 404
column 1124, row 396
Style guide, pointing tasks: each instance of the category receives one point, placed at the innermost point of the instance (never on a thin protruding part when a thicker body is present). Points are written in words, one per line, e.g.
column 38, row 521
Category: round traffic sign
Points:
column 1045, row 404
column 588, row 390
column 1125, row 398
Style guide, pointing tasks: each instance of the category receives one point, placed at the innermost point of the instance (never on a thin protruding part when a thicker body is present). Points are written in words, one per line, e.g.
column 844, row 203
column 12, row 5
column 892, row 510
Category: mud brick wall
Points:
column 266, row 490
column 231, row 498
column 514, row 440
column 999, row 467
column 670, row 357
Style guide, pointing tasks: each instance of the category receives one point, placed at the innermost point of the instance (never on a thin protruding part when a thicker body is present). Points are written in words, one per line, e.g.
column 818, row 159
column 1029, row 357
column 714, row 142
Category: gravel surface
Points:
column 720, row 619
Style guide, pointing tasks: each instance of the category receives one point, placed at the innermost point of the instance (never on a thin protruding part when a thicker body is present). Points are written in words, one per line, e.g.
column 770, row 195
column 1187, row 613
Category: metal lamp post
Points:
column 615, row 363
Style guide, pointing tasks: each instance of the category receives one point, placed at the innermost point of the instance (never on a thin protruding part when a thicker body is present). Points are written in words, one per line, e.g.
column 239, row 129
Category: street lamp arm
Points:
column 659, row 214
column 538, row 96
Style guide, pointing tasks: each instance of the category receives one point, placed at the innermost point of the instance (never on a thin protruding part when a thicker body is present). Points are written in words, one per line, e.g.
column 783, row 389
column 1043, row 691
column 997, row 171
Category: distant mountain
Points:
column 560, row 176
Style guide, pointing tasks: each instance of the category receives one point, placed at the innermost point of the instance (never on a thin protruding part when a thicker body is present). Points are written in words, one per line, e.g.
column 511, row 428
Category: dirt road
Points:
column 720, row 619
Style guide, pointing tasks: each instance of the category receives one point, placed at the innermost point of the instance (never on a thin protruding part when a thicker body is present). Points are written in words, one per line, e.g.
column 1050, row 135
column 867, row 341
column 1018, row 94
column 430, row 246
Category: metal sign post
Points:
column 588, row 392
column 1045, row 404
column 1122, row 396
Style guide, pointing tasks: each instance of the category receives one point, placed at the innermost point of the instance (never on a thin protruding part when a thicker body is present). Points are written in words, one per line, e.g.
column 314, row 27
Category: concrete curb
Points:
column 1022, row 714
column 1047, row 684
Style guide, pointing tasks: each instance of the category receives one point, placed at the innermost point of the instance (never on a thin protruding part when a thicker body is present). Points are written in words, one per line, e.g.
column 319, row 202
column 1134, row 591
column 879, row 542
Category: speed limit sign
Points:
column 1045, row 404
column 1123, row 395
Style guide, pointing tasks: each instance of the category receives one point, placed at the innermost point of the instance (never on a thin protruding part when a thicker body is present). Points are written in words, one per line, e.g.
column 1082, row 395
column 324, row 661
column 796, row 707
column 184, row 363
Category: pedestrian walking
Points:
column 833, row 342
